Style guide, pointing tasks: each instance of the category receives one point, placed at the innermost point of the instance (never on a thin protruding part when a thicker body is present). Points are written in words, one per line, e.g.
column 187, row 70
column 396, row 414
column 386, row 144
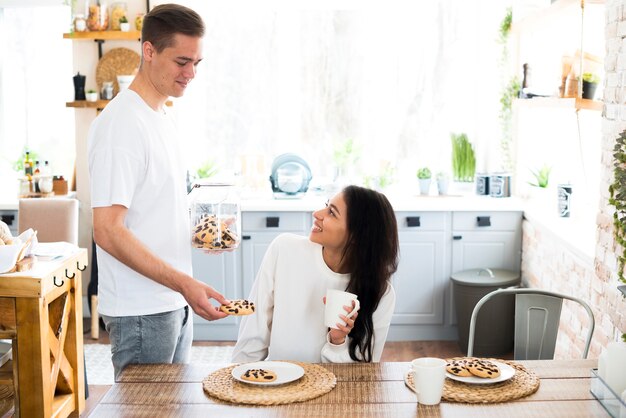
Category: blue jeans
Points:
column 158, row 338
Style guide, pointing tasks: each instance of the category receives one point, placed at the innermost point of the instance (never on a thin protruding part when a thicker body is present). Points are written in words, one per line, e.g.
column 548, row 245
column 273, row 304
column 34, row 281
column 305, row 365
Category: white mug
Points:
column 429, row 374
column 335, row 301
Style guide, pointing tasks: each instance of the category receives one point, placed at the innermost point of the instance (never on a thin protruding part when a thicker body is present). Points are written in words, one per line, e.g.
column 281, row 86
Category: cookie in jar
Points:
column 215, row 217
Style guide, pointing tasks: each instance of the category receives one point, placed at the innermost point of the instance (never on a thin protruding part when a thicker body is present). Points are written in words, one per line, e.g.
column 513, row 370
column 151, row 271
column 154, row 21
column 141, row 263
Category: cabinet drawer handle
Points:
column 272, row 222
column 483, row 220
column 457, row 237
column 413, row 221
column 246, row 237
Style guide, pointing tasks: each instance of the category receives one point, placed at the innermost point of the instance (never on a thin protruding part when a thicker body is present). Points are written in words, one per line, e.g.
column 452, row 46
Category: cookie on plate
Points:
column 238, row 307
column 259, row 375
column 458, row 368
column 483, row 368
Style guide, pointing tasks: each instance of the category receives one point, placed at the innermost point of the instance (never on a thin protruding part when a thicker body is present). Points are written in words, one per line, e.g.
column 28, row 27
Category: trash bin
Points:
column 496, row 320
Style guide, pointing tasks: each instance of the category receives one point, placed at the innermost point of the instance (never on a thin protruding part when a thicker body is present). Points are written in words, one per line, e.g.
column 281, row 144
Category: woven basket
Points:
column 522, row 384
column 316, row 382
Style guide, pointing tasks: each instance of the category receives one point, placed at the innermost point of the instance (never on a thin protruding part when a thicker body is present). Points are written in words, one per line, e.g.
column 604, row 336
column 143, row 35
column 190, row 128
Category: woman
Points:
column 353, row 246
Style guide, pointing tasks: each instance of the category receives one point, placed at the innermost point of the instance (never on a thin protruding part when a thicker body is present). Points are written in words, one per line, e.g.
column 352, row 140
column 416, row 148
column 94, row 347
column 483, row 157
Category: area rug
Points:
column 100, row 368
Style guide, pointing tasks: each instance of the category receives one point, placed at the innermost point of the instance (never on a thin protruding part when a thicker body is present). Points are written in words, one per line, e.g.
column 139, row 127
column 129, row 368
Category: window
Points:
column 395, row 77
column 35, row 82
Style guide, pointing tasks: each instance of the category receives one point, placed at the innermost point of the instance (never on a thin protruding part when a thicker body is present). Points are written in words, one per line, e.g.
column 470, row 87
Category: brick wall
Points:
column 546, row 260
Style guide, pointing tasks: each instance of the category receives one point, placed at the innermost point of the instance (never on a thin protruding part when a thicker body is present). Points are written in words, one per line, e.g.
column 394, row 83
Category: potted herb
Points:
column 91, row 95
column 590, row 84
column 124, row 25
column 542, row 177
column 424, row 176
column 463, row 158
column 442, row 183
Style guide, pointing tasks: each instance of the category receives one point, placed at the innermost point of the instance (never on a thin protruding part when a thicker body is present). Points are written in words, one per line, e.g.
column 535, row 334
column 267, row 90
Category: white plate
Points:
column 506, row 372
column 286, row 372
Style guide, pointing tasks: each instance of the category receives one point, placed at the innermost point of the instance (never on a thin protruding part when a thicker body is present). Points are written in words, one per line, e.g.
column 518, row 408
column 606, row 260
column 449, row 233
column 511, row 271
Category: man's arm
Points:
column 112, row 236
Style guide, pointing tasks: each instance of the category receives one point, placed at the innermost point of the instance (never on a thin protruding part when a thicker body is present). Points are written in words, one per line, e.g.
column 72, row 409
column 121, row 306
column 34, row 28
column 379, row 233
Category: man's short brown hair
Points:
column 166, row 20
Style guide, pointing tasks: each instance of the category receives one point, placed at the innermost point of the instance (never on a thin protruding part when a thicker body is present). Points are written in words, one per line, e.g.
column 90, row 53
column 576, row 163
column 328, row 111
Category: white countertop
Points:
column 311, row 203
column 399, row 203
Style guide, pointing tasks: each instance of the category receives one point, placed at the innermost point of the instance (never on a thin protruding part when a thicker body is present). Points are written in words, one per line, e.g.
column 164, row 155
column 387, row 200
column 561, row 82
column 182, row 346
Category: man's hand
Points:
column 198, row 295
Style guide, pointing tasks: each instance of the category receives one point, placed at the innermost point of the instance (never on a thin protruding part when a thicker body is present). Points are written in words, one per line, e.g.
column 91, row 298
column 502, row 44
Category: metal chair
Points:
column 537, row 315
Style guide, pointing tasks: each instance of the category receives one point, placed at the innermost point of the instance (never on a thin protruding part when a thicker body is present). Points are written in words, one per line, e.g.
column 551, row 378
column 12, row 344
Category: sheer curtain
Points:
column 394, row 77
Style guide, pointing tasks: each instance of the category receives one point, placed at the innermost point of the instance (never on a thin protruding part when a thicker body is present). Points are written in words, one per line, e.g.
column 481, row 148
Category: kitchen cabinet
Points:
column 223, row 273
column 420, row 280
column 486, row 239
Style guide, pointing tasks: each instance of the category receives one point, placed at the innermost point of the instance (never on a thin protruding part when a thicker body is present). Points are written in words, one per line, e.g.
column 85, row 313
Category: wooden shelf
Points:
column 133, row 35
column 546, row 15
column 558, row 102
column 99, row 104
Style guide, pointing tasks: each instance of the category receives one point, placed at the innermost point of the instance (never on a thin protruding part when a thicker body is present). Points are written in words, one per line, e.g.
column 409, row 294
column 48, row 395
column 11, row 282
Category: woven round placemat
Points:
column 118, row 61
column 315, row 382
column 524, row 383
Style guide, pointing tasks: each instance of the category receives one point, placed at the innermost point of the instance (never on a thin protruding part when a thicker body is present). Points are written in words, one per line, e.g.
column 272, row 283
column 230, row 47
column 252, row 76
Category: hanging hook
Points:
column 78, row 266
column 54, row 280
column 68, row 276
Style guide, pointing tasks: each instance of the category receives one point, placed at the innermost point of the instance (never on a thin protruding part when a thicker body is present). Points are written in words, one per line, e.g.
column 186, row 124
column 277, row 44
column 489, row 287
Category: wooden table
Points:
column 363, row 390
column 41, row 311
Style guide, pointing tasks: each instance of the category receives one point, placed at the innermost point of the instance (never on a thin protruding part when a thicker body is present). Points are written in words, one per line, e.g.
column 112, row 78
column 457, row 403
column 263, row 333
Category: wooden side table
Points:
column 41, row 311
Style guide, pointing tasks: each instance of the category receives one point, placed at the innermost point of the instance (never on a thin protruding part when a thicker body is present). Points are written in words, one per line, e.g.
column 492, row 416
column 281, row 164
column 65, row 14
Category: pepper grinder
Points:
column 79, row 86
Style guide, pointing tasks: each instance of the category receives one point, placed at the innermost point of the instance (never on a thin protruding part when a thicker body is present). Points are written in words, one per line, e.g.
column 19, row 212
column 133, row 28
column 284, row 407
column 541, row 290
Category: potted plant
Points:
column 124, row 25
column 463, row 161
column 424, row 176
column 442, row 183
column 542, row 177
column 91, row 95
column 590, row 83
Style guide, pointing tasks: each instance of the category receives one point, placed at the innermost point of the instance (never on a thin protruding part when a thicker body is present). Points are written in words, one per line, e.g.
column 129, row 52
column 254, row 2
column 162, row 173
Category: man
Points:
column 138, row 196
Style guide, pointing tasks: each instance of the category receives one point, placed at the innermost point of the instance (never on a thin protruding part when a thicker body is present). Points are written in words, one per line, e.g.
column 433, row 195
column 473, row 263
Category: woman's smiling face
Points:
column 330, row 225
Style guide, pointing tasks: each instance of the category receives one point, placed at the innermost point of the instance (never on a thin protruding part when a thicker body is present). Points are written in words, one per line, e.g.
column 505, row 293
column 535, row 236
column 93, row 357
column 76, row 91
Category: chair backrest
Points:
column 53, row 219
column 537, row 316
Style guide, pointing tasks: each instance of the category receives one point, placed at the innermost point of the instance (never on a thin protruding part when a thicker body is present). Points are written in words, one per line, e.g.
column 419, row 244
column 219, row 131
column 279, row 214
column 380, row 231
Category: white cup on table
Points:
column 335, row 301
column 429, row 374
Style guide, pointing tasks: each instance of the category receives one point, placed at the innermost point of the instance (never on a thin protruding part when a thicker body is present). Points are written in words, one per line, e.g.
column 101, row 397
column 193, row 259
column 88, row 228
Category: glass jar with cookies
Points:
column 215, row 217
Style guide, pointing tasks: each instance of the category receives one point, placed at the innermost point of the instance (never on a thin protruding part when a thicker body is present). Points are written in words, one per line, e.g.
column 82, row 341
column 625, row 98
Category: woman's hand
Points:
column 338, row 336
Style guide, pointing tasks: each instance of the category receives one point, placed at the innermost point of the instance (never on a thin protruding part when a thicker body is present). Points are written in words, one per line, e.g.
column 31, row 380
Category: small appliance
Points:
column 290, row 176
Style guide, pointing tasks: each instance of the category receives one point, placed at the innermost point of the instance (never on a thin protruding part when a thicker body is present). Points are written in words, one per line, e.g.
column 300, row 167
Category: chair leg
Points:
column 95, row 323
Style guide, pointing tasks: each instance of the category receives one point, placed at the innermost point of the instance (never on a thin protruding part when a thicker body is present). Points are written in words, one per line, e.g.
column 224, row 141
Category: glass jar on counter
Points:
column 215, row 217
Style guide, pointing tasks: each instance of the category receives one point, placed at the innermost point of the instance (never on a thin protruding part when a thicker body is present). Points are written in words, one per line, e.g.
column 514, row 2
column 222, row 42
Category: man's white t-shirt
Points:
column 134, row 161
column 289, row 320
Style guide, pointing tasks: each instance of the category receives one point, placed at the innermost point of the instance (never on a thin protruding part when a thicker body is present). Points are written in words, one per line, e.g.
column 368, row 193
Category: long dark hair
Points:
column 371, row 257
